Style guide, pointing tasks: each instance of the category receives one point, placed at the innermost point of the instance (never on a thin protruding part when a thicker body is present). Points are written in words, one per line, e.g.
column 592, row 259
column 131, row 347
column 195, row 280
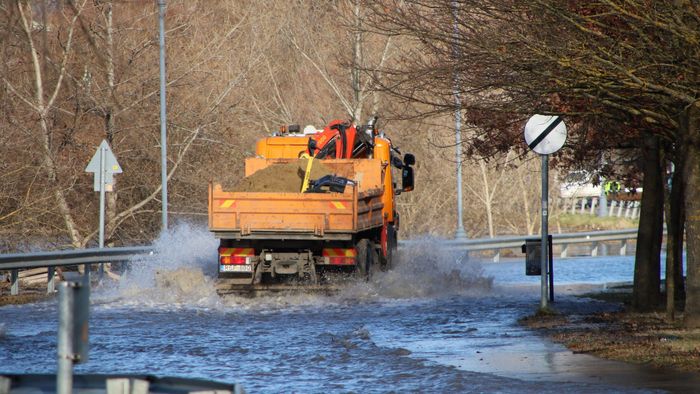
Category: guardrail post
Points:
column 73, row 317
column 613, row 204
column 14, row 279
column 623, row 248
column 101, row 272
column 564, row 251
column 594, row 203
column 129, row 386
column 5, row 384
column 64, row 375
column 51, row 284
column 594, row 249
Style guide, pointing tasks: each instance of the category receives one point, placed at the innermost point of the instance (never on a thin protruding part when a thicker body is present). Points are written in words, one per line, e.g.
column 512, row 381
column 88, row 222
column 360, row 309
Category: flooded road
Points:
column 437, row 323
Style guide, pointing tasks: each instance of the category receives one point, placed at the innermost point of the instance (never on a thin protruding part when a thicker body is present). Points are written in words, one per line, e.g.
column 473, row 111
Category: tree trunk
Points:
column 529, row 223
column 678, row 252
column 111, row 197
column 51, row 173
column 488, row 198
column 43, row 107
column 691, row 132
column 674, row 241
column 647, row 267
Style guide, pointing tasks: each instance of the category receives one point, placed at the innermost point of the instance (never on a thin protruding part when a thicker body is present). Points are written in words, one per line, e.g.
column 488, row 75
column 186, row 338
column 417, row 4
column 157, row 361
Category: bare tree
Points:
column 491, row 177
column 42, row 99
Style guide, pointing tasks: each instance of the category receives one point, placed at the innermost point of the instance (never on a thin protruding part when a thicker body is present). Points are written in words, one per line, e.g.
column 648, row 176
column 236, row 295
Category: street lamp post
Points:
column 459, row 233
column 163, row 119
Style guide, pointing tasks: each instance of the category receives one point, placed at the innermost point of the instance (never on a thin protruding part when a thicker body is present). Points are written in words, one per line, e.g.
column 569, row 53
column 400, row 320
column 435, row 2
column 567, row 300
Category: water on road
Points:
column 436, row 323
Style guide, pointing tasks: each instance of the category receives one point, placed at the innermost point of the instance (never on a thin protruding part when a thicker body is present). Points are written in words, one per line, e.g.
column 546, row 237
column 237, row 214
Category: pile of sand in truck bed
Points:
column 282, row 178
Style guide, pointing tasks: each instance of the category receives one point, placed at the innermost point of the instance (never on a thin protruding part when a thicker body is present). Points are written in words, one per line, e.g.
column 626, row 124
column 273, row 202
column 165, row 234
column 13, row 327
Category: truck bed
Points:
column 287, row 216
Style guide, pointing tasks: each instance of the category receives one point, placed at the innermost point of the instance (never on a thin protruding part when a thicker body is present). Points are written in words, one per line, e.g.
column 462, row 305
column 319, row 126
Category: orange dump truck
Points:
column 344, row 222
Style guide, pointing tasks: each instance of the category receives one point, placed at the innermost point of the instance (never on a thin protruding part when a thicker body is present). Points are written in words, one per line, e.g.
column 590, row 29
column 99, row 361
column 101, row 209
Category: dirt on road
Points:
column 27, row 294
column 640, row 338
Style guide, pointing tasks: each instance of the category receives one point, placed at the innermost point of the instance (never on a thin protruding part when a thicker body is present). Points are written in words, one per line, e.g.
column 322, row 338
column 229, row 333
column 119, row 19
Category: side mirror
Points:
column 409, row 159
column 407, row 179
column 396, row 162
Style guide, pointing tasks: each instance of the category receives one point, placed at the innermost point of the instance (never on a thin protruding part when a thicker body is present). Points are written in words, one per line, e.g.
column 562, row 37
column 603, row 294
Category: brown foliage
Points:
column 235, row 72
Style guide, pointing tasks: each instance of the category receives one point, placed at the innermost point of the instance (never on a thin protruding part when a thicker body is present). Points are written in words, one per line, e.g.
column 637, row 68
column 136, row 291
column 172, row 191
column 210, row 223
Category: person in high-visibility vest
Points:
column 612, row 187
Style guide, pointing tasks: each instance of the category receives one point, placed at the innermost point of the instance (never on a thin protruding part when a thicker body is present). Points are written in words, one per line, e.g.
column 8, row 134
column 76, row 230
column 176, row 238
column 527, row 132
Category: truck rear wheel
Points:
column 365, row 258
column 387, row 262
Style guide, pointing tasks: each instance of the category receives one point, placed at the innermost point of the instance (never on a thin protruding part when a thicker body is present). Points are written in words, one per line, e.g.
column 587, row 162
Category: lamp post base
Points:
column 460, row 234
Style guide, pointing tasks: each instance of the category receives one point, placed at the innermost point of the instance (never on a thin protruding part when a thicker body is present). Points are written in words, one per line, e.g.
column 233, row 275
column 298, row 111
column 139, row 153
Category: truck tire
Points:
column 365, row 258
column 387, row 262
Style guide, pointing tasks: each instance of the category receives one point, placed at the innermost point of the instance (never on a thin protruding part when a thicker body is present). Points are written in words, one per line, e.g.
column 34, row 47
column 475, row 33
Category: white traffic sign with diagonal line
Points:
column 545, row 134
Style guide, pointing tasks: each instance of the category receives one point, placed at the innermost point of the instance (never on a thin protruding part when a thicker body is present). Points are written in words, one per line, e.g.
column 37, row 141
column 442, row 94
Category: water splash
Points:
column 424, row 269
column 183, row 274
column 180, row 273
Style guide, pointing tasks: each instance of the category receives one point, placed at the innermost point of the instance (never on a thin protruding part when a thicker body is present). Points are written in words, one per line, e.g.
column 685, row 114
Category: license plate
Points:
column 236, row 268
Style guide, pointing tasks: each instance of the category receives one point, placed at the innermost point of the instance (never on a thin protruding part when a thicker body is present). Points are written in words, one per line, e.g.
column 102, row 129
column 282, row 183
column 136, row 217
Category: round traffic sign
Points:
column 545, row 134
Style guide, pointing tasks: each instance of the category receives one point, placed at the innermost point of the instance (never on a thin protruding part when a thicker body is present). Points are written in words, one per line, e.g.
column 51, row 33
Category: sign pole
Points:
column 103, row 155
column 103, row 170
column 544, row 245
column 545, row 135
column 104, row 165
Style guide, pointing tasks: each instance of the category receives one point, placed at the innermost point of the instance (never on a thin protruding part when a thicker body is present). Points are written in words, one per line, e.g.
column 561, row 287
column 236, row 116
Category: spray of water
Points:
column 182, row 273
column 426, row 269
column 179, row 273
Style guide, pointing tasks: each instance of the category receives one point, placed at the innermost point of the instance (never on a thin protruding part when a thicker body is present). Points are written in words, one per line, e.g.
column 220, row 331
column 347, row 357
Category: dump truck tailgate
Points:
column 293, row 215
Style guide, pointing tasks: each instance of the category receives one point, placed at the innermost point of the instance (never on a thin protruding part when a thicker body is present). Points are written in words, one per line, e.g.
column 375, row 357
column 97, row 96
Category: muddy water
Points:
column 437, row 323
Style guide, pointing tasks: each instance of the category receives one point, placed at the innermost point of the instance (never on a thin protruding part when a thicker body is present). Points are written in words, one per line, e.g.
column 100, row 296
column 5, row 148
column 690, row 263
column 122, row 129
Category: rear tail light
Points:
column 230, row 256
column 341, row 260
column 339, row 256
column 234, row 260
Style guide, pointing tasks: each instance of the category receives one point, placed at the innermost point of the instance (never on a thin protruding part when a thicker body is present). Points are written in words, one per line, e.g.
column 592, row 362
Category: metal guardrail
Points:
column 116, row 383
column 512, row 242
column 70, row 257
column 60, row 258
column 17, row 261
